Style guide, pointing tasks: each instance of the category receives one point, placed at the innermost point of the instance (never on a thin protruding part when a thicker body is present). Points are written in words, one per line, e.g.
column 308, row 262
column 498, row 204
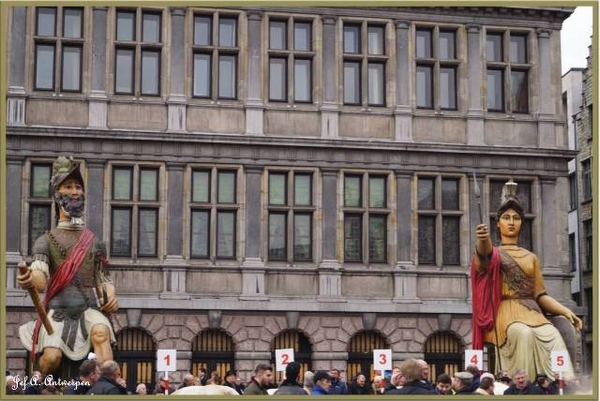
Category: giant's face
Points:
column 70, row 198
column 509, row 224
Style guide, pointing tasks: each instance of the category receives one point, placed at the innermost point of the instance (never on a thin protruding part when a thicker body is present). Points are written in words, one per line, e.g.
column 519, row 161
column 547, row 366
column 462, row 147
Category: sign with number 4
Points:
column 382, row 359
column 283, row 357
column 560, row 361
column 474, row 357
column 166, row 360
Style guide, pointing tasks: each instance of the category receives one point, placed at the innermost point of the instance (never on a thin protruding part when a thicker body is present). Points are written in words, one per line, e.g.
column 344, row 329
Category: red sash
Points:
column 63, row 276
column 482, row 283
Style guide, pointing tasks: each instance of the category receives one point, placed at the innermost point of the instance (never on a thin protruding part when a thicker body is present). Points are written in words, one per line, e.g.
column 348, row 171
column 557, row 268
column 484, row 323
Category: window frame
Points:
column 35, row 201
column 586, row 180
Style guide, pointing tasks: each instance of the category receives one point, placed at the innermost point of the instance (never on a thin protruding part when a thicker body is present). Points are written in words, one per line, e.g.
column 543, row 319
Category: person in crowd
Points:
column 509, row 296
column 263, row 377
column 202, row 376
column 461, row 383
column 505, row 379
column 141, row 389
column 443, row 385
column 188, row 380
column 322, row 381
column 474, row 370
column 163, row 383
column 231, row 381
column 388, row 385
column 240, row 384
column 396, row 383
column 11, row 386
column 108, row 384
column 89, row 373
column 50, row 389
column 498, row 386
column 425, row 374
column 309, row 381
column 338, row 386
column 290, row 385
column 412, row 371
column 545, row 385
column 521, row 384
column 486, row 386
column 359, row 385
column 34, row 385
column 376, row 385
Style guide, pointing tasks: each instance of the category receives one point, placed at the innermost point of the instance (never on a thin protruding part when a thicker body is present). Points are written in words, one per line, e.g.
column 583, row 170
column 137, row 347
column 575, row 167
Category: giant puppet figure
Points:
column 509, row 297
column 69, row 264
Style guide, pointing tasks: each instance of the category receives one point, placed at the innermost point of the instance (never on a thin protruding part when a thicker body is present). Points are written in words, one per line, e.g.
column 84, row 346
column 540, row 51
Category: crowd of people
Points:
column 411, row 377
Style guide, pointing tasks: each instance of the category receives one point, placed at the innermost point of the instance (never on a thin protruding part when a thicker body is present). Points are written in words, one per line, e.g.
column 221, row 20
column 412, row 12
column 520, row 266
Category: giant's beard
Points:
column 71, row 207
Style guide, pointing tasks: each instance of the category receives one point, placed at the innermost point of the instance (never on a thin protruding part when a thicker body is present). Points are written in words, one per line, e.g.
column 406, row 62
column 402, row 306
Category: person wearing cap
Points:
column 510, row 299
column 461, row 383
column 412, row 371
column 521, row 384
column 545, row 384
column 290, row 385
column 231, row 381
column 79, row 295
column 322, row 381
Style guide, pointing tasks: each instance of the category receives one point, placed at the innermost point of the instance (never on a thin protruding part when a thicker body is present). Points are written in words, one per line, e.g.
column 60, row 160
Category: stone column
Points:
column 253, row 266
column 95, row 195
column 475, row 122
column 254, row 102
column 330, row 277
column 177, row 101
column 98, row 109
column 329, row 108
column 14, row 210
column 402, row 112
column 546, row 132
column 405, row 273
column 15, row 94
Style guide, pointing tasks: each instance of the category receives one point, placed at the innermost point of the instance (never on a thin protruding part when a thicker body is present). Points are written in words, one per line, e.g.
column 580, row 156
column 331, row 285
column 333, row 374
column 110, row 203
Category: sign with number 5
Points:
column 166, row 360
column 283, row 357
column 382, row 359
column 560, row 361
column 474, row 357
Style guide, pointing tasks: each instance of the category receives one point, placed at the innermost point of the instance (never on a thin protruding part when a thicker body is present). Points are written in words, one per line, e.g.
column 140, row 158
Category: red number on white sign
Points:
column 167, row 359
column 473, row 359
column 285, row 359
column 382, row 359
column 560, row 360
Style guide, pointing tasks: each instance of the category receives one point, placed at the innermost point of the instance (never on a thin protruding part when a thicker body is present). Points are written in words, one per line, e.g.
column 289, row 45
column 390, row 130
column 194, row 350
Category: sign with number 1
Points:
column 474, row 357
column 382, row 359
column 283, row 357
column 166, row 360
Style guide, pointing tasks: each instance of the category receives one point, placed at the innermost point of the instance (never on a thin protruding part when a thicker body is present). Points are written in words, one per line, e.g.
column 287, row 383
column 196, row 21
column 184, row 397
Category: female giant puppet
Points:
column 69, row 264
column 509, row 297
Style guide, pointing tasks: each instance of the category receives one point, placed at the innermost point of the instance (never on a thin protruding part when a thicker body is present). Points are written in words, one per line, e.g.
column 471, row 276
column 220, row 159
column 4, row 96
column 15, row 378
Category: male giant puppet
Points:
column 510, row 299
column 69, row 264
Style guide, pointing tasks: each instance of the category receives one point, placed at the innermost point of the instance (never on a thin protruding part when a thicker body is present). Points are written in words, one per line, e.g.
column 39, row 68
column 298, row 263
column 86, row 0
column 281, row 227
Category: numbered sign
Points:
column 382, row 359
column 283, row 357
column 166, row 360
column 474, row 357
column 560, row 361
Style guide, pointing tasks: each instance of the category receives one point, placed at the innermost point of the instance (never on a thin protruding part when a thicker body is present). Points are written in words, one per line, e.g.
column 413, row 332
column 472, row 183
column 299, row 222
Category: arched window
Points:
column 444, row 353
column 213, row 350
column 360, row 353
column 302, row 351
column 136, row 354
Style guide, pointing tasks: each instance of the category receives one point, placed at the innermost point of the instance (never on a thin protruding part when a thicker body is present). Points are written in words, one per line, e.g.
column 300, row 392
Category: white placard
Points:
column 474, row 357
column 166, row 360
column 283, row 357
column 382, row 359
column 560, row 360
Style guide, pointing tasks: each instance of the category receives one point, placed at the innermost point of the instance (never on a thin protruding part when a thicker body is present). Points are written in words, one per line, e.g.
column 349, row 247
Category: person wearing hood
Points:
column 290, row 385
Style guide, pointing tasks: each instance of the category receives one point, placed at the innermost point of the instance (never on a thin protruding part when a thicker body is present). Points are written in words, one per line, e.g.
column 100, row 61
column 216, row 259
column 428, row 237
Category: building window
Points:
column 590, row 115
column 135, row 207
column 589, row 243
column 291, row 209
column 291, row 58
column 572, row 252
column 40, row 202
column 586, row 177
column 366, row 214
column 439, row 223
column 364, row 63
column 138, row 49
column 215, row 56
column 508, row 65
column 437, row 66
column 213, row 213
column 589, row 303
column 59, row 42
column 524, row 196
column 572, row 191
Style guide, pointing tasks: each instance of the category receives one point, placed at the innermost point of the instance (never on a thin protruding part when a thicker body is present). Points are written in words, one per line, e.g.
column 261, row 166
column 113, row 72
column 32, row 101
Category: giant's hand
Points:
column 25, row 280
column 576, row 321
column 482, row 232
column 112, row 304
column 484, row 243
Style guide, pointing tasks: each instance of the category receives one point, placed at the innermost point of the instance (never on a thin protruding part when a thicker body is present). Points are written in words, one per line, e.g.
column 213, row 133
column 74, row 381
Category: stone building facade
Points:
column 273, row 177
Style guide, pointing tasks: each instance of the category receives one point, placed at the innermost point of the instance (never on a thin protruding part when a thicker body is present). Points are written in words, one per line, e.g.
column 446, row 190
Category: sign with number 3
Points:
column 283, row 357
column 382, row 359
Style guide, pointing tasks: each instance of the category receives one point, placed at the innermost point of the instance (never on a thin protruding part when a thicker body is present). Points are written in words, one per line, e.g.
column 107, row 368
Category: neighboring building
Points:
column 274, row 177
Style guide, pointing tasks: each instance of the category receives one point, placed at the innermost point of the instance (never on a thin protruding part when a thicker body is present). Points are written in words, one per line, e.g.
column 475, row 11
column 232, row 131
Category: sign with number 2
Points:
column 283, row 357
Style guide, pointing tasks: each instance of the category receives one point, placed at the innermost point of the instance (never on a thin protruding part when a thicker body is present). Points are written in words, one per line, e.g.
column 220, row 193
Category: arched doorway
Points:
column 444, row 353
column 213, row 350
column 136, row 355
column 302, row 350
column 360, row 353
